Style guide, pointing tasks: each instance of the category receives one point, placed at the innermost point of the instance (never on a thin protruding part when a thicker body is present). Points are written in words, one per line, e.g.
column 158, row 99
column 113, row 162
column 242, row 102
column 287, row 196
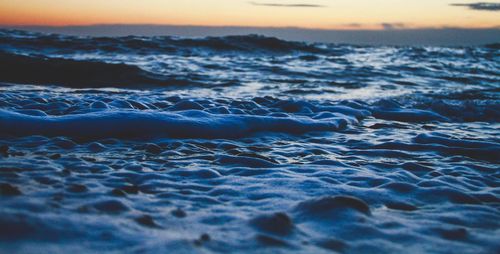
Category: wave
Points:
column 159, row 44
column 133, row 124
column 42, row 70
column 298, row 68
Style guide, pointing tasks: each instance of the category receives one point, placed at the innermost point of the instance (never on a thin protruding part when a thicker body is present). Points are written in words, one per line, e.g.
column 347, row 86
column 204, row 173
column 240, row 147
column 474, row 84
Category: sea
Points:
column 246, row 144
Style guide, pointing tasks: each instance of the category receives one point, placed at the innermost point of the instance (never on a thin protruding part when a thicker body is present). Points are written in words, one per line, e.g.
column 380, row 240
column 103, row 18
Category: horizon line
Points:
column 379, row 27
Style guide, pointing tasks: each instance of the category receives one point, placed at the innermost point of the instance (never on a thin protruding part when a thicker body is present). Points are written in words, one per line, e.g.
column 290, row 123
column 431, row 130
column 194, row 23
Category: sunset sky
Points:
column 322, row 14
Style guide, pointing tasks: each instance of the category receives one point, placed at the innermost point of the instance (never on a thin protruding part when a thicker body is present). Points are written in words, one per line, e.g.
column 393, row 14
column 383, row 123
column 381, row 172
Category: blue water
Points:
column 246, row 144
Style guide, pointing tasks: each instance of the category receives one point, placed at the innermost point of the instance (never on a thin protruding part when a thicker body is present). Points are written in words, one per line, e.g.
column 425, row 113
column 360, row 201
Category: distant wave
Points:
column 49, row 59
column 159, row 44
column 45, row 70
column 143, row 62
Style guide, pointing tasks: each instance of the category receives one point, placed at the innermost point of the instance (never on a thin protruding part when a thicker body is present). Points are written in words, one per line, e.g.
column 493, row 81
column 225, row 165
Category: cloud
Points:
column 392, row 26
column 288, row 5
column 481, row 6
column 353, row 25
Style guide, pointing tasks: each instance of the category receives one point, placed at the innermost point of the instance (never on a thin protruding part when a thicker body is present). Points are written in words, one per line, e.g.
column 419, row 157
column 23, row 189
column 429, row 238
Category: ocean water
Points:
column 246, row 144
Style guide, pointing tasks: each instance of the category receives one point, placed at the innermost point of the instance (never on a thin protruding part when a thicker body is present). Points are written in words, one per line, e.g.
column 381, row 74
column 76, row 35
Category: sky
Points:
column 312, row 14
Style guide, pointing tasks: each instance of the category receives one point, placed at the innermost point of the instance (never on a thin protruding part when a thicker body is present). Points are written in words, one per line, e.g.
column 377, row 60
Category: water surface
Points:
column 246, row 144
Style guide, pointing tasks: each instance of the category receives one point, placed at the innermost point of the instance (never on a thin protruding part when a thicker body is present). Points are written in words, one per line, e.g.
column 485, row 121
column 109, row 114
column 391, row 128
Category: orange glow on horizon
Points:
column 342, row 14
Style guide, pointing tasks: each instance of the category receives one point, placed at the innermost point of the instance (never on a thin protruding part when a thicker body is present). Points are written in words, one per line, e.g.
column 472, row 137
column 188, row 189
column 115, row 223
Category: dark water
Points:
column 246, row 144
